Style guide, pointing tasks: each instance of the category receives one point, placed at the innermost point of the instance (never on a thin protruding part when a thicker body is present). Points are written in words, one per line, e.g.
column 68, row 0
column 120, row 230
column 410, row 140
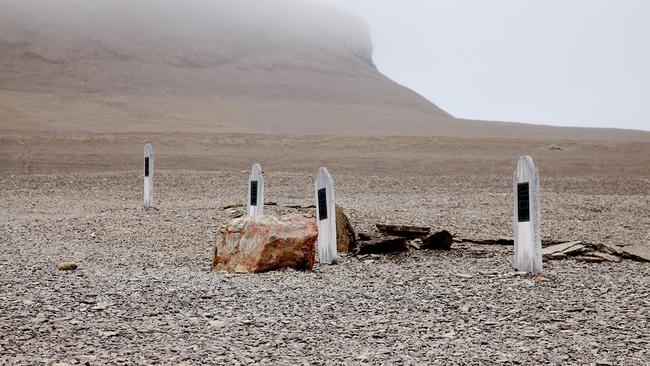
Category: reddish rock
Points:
column 266, row 243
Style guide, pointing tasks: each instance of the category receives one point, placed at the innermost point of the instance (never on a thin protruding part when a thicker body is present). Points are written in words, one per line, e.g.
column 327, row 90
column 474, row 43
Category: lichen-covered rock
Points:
column 346, row 238
column 265, row 243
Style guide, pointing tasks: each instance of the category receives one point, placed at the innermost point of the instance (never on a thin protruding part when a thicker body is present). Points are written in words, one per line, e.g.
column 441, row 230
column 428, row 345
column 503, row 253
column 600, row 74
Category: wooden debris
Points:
column 441, row 240
column 232, row 206
column 300, row 207
column 363, row 236
column 589, row 259
column 610, row 248
column 405, row 231
column 389, row 244
column 562, row 249
column 640, row 253
column 605, row 256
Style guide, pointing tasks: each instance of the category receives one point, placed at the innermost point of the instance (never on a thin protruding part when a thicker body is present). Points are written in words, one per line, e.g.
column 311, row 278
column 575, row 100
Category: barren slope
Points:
column 280, row 66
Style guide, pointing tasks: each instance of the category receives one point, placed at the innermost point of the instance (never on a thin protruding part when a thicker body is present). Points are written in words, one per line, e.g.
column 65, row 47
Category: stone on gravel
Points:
column 67, row 266
column 405, row 231
column 265, row 243
column 638, row 252
column 441, row 240
column 346, row 239
column 389, row 244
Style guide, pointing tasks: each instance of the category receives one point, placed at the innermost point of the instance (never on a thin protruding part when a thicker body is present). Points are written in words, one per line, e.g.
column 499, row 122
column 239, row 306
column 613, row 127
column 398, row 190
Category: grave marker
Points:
column 528, row 244
column 326, row 217
column 148, row 175
column 256, row 192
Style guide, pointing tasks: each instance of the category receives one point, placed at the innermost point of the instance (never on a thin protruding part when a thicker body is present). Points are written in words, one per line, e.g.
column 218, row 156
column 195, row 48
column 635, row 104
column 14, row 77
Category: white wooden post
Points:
column 326, row 217
column 256, row 192
column 148, row 175
column 528, row 244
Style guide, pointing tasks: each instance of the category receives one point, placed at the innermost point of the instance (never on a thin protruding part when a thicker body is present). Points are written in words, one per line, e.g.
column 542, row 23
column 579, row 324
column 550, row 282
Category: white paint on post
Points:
column 325, row 217
column 148, row 175
column 528, row 244
column 256, row 192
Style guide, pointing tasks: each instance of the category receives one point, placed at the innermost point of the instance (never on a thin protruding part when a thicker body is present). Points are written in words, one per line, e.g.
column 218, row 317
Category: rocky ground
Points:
column 143, row 292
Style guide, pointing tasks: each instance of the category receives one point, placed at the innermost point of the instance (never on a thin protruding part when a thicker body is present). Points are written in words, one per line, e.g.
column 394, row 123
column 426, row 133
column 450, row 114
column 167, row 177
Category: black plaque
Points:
column 254, row 193
column 523, row 202
column 322, row 204
column 146, row 166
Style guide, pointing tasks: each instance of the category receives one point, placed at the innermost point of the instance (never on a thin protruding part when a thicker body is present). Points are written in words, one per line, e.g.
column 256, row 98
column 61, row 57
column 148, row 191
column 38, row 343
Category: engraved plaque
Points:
column 523, row 202
column 254, row 193
column 322, row 204
column 146, row 166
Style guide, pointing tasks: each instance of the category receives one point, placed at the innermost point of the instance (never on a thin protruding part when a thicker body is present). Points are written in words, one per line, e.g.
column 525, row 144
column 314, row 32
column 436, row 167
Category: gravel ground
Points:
column 144, row 293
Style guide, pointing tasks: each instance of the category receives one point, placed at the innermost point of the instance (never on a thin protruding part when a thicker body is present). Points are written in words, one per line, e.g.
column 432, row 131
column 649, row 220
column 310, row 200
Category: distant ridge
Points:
column 242, row 66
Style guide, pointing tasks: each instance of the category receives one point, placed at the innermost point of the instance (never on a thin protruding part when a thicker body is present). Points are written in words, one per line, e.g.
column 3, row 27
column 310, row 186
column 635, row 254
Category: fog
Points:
column 563, row 62
column 272, row 25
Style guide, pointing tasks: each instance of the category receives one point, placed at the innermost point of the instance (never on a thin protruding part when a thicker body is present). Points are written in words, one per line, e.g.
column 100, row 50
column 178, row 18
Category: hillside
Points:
column 252, row 66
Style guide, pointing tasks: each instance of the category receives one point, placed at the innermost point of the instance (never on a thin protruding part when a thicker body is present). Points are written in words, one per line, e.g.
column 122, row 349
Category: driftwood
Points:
column 405, row 231
column 441, row 240
column 385, row 245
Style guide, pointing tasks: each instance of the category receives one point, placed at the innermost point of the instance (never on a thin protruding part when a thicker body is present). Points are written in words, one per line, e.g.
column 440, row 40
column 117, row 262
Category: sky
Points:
column 560, row 62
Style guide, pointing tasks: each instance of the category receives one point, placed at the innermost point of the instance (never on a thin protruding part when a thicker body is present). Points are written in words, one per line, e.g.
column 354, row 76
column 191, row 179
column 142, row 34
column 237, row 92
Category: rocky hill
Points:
column 249, row 66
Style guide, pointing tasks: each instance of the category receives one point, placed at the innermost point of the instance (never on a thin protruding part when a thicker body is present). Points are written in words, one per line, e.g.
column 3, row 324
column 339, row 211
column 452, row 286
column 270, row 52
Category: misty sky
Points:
column 561, row 62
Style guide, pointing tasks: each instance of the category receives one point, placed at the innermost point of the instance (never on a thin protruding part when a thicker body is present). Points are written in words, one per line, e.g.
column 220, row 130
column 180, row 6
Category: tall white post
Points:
column 528, row 244
column 148, row 175
column 256, row 192
column 326, row 217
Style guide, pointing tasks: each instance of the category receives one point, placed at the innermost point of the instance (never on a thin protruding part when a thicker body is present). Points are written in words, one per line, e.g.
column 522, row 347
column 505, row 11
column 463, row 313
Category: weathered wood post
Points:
column 326, row 217
column 256, row 192
column 528, row 244
column 148, row 175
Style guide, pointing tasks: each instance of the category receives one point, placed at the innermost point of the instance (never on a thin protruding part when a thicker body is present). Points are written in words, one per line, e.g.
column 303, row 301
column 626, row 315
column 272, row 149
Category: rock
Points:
column 346, row 239
column 637, row 252
column 389, row 244
column 265, row 243
column 540, row 278
column 409, row 232
column 555, row 148
column 67, row 266
column 441, row 240
column 101, row 306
